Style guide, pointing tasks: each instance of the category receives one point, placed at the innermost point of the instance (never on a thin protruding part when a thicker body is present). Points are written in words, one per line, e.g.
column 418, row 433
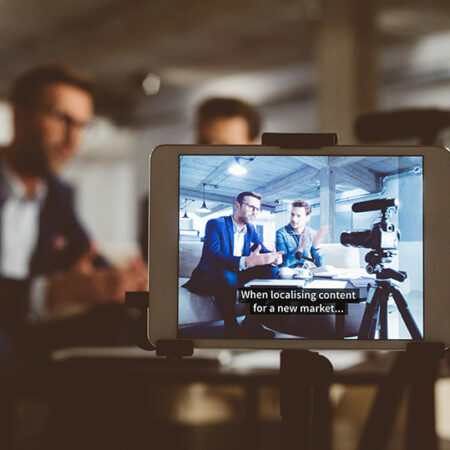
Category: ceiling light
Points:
column 185, row 216
column 204, row 208
column 237, row 168
column 151, row 84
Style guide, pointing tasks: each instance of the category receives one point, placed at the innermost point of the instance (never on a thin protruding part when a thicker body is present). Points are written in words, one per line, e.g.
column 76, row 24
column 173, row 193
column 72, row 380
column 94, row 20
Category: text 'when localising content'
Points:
column 298, row 301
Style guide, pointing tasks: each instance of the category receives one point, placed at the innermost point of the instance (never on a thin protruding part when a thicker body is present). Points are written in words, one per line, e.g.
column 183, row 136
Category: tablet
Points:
column 341, row 247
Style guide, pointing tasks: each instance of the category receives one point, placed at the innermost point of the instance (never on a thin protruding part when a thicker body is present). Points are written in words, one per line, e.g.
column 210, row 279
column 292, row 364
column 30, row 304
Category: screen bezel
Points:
column 163, row 242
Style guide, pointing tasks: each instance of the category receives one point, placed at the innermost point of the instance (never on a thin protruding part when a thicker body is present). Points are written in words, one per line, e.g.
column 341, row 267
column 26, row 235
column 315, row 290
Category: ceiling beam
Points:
column 359, row 177
column 216, row 173
column 340, row 161
column 226, row 199
column 318, row 162
column 220, row 207
column 295, row 178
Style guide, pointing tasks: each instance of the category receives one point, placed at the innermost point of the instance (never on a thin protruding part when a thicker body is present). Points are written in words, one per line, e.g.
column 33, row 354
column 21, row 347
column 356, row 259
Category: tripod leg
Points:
column 406, row 314
column 321, row 426
column 382, row 296
column 383, row 317
column 420, row 424
column 374, row 323
column 370, row 315
column 421, row 415
column 378, row 427
column 295, row 399
column 305, row 378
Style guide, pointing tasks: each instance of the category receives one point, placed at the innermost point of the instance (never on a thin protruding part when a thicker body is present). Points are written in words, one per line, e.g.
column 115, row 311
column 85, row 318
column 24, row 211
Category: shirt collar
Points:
column 16, row 188
column 236, row 228
column 291, row 230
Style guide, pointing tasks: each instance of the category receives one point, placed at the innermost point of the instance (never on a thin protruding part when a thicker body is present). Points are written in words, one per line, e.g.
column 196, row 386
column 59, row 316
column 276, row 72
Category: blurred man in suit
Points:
column 219, row 121
column 227, row 121
column 47, row 259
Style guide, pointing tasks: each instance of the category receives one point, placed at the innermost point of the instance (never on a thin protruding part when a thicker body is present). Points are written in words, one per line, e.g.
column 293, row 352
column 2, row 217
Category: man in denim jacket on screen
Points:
column 298, row 241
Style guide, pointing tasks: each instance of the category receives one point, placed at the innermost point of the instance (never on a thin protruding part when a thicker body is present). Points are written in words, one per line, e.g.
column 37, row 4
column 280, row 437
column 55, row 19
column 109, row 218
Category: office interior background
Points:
column 308, row 65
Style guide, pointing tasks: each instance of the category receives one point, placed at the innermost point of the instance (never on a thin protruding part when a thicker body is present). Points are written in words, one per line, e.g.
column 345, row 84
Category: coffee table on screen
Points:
column 323, row 326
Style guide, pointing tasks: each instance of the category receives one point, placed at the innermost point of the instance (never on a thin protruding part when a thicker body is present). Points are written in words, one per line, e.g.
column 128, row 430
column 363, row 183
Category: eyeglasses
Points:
column 69, row 122
column 253, row 208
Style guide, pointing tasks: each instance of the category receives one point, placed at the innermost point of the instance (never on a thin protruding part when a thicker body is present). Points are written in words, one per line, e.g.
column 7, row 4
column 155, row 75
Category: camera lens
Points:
column 361, row 238
column 346, row 239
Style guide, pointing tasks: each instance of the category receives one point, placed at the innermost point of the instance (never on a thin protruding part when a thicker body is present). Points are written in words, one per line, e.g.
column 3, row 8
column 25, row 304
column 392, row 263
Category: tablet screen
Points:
column 300, row 247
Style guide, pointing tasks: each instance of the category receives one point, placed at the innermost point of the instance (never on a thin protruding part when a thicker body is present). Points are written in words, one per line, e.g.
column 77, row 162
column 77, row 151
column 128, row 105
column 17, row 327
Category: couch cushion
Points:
column 199, row 309
column 190, row 253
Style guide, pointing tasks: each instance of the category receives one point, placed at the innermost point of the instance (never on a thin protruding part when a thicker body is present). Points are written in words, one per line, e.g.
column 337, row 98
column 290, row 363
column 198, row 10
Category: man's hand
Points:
column 261, row 259
column 85, row 263
column 320, row 235
column 305, row 239
column 86, row 285
column 279, row 258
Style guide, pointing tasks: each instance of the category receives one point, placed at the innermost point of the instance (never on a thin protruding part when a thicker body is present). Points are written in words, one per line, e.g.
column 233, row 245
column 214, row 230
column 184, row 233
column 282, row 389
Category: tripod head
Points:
column 376, row 259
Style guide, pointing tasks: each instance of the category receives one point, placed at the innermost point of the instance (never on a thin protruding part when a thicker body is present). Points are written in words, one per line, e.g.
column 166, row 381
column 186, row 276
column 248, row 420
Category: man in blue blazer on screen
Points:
column 232, row 255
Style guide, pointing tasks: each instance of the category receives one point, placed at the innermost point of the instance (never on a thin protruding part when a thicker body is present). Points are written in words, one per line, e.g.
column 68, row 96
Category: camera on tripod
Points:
column 383, row 235
column 382, row 238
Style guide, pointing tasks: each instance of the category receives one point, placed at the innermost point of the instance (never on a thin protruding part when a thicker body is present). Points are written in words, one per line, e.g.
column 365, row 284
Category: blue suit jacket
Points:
column 61, row 242
column 217, row 253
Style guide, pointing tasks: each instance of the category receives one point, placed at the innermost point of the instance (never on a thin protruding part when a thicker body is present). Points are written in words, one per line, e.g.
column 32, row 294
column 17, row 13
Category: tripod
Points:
column 376, row 308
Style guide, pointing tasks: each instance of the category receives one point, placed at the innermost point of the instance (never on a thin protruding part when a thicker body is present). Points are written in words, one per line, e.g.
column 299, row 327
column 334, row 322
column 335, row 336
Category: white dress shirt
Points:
column 19, row 235
column 238, row 243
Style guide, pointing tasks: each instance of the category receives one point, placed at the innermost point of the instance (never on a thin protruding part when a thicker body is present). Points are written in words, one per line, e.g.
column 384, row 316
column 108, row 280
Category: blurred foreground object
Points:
column 427, row 125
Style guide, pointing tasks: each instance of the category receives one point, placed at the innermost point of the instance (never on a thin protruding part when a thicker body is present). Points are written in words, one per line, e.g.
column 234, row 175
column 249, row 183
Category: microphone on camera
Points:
column 373, row 205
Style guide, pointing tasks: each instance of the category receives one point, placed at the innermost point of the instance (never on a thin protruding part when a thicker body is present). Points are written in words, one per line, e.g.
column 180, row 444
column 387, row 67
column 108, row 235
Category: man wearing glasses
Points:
column 47, row 260
column 232, row 255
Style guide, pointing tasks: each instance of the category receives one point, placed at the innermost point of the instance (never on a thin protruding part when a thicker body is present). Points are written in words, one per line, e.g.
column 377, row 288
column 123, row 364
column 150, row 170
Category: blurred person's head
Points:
column 300, row 215
column 51, row 106
column 247, row 207
column 227, row 121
